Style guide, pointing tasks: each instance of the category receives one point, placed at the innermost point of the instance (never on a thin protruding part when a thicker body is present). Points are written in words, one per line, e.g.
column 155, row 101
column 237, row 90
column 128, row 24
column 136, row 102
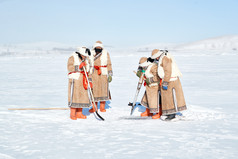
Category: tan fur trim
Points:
column 82, row 50
column 144, row 64
column 99, row 42
column 103, row 59
column 154, row 56
column 91, row 64
column 153, row 84
column 154, row 51
column 147, row 72
column 98, row 45
column 142, row 60
column 104, row 62
column 74, row 76
column 76, row 59
column 175, row 70
column 77, row 62
column 173, row 78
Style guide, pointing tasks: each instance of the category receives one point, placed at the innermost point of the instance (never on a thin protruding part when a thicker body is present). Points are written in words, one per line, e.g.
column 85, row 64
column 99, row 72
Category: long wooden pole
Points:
column 91, row 94
column 38, row 108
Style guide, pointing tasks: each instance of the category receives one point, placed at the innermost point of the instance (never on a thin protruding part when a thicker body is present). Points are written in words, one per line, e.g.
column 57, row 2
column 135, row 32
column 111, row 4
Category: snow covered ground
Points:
column 209, row 131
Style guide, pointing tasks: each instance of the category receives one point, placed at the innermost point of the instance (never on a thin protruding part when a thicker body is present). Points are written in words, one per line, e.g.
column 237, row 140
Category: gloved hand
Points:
column 147, row 81
column 91, row 85
column 165, row 85
column 109, row 79
column 139, row 73
column 82, row 65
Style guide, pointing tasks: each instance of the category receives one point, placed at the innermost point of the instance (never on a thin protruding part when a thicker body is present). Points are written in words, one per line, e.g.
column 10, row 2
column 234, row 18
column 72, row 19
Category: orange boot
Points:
column 156, row 116
column 93, row 108
column 102, row 106
column 146, row 113
column 73, row 113
column 79, row 113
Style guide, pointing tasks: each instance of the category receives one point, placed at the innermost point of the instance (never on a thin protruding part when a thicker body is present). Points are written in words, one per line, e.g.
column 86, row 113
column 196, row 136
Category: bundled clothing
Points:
column 78, row 96
column 172, row 98
column 151, row 95
column 164, row 94
column 102, row 70
column 148, row 72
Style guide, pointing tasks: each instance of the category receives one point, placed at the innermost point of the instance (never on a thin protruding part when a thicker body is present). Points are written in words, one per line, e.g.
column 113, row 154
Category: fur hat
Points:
column 143, row 62
column 155, row 53
column 82, row 50
column 98, row 44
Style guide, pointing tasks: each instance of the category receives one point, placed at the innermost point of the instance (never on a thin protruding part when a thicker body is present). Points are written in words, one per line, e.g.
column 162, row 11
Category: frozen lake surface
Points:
column 209, row 131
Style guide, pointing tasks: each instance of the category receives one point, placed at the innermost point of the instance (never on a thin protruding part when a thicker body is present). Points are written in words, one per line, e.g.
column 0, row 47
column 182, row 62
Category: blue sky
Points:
column 116, row 22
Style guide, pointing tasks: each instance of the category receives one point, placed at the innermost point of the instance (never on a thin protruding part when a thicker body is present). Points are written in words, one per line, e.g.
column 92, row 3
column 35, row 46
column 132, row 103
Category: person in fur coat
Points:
column 101, row 76
column 171, row 89
column 78, row 97
column 151, row 96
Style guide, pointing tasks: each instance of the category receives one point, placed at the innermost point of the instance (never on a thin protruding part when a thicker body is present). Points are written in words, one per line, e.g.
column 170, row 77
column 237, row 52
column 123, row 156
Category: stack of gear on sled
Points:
column 164, row 94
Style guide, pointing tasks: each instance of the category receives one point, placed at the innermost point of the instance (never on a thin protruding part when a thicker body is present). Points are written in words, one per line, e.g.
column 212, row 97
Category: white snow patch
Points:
column 208, row 130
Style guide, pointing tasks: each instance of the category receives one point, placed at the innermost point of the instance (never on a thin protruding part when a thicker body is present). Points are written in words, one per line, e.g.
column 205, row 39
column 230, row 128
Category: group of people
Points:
column 91, row 70
column 88, row 70
column 163, row 94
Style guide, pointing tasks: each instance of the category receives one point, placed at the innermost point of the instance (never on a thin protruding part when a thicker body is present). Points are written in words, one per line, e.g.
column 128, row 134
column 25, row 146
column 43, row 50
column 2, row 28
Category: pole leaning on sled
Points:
column 137, row 93
column 91, row 94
